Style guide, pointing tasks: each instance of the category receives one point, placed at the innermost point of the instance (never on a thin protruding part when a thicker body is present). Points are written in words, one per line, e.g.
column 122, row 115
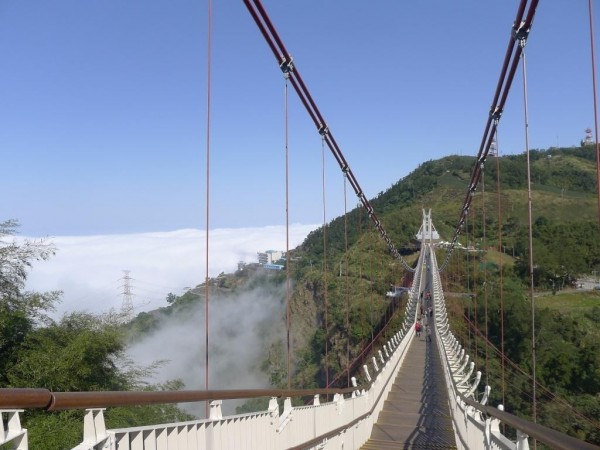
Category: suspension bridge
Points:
column 421, row 389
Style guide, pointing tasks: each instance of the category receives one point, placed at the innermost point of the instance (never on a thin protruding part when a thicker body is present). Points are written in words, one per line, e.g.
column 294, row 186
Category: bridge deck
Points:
column 416, row 414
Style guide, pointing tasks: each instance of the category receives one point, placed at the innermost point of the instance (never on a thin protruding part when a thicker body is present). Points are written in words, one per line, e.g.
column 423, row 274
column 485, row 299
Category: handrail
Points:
column 57, row 401
column 548, row 436
column 25, row 398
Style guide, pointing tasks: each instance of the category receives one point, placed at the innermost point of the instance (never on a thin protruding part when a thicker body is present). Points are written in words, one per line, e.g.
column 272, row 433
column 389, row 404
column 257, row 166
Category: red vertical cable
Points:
column 483, row 254
column 531, row 281
column 325, row 270
column 468, row 275
column 287, row 241
column 346, row 287
column 476, row 330
column 501, row 284
column 595, row 103
column 360, row 264
column 371, row 287
column 206, row 288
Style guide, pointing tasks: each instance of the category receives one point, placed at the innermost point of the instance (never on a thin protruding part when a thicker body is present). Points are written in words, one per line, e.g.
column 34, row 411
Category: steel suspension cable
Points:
column 483, row 255
column 531, row 273
column 287, row 241
column 591, row 16
column 468, row 275
column 206, row 279
column 501, row 251
column 364, row 303
column 371, row 250
column 286, row 64
column 347, row 294
column 475, row 290
column 325, row 287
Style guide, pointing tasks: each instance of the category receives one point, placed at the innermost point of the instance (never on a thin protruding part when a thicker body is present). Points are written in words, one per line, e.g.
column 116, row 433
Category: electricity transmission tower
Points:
column 127, row 306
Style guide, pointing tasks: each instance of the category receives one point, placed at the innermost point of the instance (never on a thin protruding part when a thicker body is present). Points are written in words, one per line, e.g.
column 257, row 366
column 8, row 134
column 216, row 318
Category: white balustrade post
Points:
column 215, row 410
column 366, row 370
column 273, row 410
column 339, row 402
column 12, row 431
column 287, row 405
column 375, row 364
column 94, row 429
column 486, row 394
column 522, row 442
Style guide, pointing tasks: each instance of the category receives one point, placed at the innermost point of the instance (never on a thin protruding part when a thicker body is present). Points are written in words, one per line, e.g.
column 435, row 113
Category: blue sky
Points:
column 103, row 104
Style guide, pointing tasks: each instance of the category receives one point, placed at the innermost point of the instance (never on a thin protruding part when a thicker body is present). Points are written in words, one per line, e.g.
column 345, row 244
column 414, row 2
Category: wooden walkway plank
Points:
column 416, row 414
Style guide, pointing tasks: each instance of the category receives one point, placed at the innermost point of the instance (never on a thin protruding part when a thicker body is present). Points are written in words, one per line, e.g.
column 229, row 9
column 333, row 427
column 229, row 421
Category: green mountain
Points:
column 565, row 248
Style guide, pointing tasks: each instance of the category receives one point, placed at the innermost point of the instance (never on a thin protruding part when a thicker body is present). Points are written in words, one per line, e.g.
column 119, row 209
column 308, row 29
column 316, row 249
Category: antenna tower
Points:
column 493, row 147
column 589, row 138
column 127, row 307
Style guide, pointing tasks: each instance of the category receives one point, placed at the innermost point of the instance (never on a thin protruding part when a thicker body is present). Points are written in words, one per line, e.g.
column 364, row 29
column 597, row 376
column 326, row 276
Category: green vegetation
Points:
column 576, row 303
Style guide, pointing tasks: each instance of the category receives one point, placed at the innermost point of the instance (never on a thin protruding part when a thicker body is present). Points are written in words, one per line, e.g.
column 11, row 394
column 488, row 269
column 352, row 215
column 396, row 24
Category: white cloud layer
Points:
column 241, row 329
column 89, row 269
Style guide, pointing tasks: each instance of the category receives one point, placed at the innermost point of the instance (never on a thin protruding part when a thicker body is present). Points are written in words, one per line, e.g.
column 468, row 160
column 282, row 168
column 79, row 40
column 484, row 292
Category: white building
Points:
column 270, row 256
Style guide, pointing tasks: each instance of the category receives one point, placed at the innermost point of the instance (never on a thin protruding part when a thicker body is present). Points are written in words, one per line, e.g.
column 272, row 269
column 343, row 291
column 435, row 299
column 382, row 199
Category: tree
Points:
column 20, row 311
column 171, row 298
column 16, row 258
column 79, row 352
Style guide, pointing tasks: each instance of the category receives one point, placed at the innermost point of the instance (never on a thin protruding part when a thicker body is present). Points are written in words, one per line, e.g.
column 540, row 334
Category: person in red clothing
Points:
column 418, row 329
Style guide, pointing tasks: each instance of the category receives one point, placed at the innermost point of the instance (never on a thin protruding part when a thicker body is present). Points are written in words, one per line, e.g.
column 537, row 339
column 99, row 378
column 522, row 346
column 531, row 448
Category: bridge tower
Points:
column 427, row 232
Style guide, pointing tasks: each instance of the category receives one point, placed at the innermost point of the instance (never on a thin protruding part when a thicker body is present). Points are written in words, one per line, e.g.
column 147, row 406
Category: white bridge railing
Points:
column 476, row 425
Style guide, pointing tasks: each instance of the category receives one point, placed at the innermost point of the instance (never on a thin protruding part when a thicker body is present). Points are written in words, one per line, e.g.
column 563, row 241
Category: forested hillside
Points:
column 565, row 247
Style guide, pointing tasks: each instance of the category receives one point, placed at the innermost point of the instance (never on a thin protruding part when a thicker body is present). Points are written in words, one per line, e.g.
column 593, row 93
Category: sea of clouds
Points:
column 89, row 272
column 89, row 269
